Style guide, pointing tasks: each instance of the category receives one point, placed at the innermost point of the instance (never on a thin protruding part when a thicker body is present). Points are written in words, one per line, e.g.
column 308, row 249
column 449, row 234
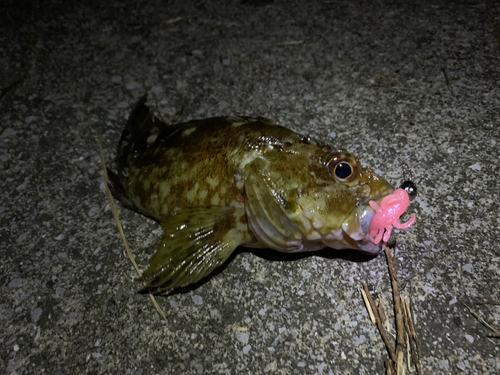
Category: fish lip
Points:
column 367, row 246
column 354, row 233
column 360, row 239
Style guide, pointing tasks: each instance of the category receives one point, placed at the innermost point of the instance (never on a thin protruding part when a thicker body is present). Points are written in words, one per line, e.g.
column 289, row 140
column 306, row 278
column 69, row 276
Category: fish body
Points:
column 218, row 183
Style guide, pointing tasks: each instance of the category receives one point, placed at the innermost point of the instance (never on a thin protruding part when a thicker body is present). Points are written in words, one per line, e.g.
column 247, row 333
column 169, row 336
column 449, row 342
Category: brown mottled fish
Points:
column 218, row 183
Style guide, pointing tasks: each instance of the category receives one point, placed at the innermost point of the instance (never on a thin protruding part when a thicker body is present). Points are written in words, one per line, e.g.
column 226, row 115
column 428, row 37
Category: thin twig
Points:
column 175, row 115
column 496, row 29
column 443, row 69
column 487, row 302
column 367, row 304
column 412, row 335
column 173, row 20
column 5, row 90
column 485, row 323
column 400, row 364
column 389, row 367
column 397, row 297
column 408, row 346
column 404, row 283
column 378, row 321
column 383, row 315
column 400, row 327
column 246, row 59
column 120, row 228
column 290, row 43
column 413, row 326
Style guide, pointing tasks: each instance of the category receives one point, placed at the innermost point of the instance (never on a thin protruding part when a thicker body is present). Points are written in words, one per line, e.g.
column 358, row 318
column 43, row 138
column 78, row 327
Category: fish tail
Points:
column 117, row 190
column 140, row 121
column 135, row 133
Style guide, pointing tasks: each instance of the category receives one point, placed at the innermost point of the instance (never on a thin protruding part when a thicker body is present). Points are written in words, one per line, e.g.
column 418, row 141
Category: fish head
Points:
column 336, row 209
column 305, row 197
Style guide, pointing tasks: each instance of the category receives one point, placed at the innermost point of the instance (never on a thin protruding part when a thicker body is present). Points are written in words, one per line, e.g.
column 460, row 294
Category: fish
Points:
column 223, row 182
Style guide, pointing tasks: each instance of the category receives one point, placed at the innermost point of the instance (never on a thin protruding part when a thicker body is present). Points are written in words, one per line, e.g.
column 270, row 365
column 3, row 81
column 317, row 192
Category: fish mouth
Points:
column 369, row 227
column 355, row 232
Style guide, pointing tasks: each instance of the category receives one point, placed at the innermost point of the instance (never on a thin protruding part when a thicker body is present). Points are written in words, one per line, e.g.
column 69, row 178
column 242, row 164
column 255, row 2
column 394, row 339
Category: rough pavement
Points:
column 395, row 83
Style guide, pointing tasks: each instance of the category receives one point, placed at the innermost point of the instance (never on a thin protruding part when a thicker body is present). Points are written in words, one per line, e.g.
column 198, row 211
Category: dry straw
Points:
column 120, row 228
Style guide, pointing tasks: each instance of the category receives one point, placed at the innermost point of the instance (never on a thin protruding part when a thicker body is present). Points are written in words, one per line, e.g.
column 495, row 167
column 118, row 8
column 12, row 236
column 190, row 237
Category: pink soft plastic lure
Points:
column 387, row 215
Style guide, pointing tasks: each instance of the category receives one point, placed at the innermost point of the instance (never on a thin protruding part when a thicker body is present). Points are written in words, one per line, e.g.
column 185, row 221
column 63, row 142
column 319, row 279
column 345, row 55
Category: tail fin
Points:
column 116, row 188
column 140, row 125
column 139, row 122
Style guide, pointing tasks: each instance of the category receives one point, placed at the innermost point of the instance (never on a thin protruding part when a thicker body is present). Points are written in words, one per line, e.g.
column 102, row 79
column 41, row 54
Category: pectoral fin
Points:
column 195, row 242
column 266, row 216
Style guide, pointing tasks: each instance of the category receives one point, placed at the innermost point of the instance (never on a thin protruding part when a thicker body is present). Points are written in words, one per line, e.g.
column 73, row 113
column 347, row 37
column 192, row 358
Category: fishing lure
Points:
column 388, row 213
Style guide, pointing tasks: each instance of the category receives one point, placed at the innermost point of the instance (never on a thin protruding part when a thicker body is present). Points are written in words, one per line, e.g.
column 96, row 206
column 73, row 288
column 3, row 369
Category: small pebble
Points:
column 35, row 314
column 9, row 132
column 242, row 337
column 156, row 89
column 468, row 268
column 359, row 340
column 475, row 167
column 198, row 300
column 30, row 119
column 132, row 85
column 14, row 283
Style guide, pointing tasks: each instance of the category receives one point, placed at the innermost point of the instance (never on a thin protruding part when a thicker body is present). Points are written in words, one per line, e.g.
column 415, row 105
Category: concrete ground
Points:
column 396, row 82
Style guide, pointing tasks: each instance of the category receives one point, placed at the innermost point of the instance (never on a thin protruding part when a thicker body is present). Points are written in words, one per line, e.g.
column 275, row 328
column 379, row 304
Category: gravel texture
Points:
column 394, row 82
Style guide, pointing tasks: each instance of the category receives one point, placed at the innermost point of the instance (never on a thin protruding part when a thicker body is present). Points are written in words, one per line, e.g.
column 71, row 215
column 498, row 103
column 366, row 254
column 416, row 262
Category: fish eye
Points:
column 343, row 171
column 410, row 187
column 343, row 167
